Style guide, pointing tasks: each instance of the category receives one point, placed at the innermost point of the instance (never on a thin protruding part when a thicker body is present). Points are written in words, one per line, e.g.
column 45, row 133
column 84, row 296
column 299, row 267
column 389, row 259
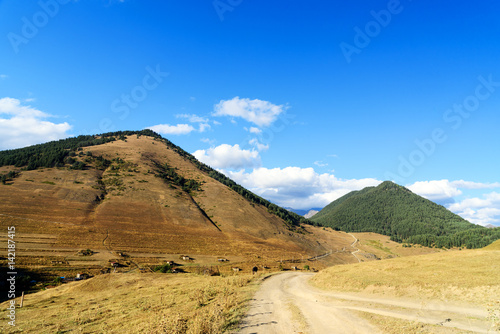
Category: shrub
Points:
column 164, row 268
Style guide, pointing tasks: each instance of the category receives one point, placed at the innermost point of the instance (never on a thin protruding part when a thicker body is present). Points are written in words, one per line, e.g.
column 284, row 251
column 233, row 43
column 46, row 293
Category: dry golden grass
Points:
column 470, row 276
column 493, row 246
column 384, row 248
column 389, row 325
column 137, row 303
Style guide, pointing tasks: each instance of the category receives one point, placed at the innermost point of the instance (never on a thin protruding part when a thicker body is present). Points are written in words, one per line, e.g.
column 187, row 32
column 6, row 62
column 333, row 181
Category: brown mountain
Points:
column 140, row 194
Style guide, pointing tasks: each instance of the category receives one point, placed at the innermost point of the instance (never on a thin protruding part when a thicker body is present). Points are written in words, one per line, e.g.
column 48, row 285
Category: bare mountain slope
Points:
column 124, row 205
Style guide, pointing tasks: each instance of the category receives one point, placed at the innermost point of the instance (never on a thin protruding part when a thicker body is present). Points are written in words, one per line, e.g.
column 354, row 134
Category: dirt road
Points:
column 286, row 303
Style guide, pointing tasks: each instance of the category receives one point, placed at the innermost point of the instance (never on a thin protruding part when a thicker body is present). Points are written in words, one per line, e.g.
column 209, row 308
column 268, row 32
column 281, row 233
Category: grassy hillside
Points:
column 468, row 275
column 493, row 246
column 63, row 153
column 138, row 200
column 395, row 211
column 136, row 303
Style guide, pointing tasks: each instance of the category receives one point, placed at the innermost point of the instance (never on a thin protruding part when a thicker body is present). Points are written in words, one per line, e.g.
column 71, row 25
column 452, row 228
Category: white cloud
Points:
column 435, row 190
column 320, row 164
column 227, row 156
column 203, row 121
column 259, row 112
column 166, row 129
column 193, row 118
column 203, row 127
column 3, row 76
column 24, row 125
column 208, row 141
column 258, row 145
column 445, row 189
column 299, row 188
column 475, row 185
column 255, row 130
column 481, row 211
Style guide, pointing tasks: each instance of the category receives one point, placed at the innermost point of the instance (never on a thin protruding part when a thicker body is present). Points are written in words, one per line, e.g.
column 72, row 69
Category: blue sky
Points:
column 299, row 101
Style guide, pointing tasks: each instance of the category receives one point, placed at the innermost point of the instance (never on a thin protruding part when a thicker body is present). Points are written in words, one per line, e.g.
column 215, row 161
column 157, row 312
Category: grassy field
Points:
column 470, row 276
column 494, row 246
column 383, row 247
column 137, row 303
column 389, row 325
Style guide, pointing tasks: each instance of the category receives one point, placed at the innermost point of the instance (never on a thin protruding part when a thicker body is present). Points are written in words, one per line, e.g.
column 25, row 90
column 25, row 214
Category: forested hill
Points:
column 393, row 210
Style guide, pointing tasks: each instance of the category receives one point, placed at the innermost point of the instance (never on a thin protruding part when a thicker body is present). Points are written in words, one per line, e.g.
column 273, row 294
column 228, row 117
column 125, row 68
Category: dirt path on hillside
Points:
column 286, row 303
column 357, row 249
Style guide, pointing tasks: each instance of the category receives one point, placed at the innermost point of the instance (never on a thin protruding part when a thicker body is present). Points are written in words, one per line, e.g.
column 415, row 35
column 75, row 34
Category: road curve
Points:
column 286, row 303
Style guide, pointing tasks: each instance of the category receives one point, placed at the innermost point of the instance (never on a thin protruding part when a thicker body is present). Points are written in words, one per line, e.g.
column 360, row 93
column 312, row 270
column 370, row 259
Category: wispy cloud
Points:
column 208, row 141
column 320, row 164
column 203, row 127
column 259, row 112
column 3, row 76
column 193, row 118
column 254, row 130
column 258, row 145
